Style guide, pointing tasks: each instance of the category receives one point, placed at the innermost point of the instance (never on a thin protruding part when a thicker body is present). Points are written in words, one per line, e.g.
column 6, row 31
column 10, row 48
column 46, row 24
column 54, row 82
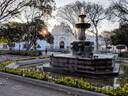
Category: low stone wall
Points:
column 69, row 90
column 32, row 61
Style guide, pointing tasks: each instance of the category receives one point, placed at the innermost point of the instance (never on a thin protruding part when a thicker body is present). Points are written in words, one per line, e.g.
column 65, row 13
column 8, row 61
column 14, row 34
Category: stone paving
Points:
column 9, row 87
column 9, row 57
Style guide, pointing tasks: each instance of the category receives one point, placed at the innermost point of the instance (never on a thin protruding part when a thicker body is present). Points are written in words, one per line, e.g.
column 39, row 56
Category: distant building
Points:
column 63, row 36
column 41, row 45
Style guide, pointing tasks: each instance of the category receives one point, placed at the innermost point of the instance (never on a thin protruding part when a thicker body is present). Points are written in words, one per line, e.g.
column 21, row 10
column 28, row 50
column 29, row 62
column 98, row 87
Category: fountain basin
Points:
column 79, row 65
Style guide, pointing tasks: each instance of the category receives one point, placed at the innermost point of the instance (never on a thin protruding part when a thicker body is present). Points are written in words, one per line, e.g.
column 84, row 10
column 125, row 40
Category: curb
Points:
column 58, row 87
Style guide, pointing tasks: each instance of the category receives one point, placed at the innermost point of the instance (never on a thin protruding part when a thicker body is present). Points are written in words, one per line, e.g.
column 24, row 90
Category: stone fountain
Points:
column 82, row 59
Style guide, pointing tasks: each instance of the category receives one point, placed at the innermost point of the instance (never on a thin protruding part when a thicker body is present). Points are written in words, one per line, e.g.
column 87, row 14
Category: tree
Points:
column 10, row 8
column 119, row 9
column 35, row 14
column 11, row 33
column 120, row 36
column 95, row 13
column 49, row 38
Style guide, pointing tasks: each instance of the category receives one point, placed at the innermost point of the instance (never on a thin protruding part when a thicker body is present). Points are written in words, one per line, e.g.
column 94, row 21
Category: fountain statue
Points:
column 82, row 60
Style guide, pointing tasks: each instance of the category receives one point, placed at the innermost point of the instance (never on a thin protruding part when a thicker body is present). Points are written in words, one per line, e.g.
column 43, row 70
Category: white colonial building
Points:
column 63, row 36
column 41, row 45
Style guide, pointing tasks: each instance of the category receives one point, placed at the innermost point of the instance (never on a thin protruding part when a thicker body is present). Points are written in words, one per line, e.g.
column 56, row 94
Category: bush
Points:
column 6, row 63
column 24, row 53
column 2, row 69
column 13, row 71
column 36, row 76
column 23, row 59
column 122, row 58
column 75, row 83
column 4, row 52
column 44, row 57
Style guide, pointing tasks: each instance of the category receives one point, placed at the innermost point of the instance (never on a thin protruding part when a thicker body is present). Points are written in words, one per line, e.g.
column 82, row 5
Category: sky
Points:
column 64, row 2
column 105, row 26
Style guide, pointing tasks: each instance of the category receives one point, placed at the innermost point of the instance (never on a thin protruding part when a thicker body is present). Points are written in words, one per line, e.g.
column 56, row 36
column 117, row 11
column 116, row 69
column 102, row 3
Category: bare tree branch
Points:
column 95, row 13
column 9, row 8
column 118, row 9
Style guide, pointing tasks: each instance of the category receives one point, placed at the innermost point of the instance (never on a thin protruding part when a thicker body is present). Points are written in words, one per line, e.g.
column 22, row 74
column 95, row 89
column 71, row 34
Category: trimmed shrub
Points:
column 44, row 57
column 13, row 71
column 6, row 63
column 23, row 59
column 24, row 53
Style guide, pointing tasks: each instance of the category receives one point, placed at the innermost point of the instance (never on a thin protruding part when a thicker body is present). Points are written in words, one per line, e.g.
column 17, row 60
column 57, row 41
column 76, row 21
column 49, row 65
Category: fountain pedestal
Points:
column 82, row 48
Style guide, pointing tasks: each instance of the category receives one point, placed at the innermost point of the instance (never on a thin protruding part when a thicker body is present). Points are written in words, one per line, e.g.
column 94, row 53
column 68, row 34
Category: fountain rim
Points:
column 83, row 25
column 82, row 16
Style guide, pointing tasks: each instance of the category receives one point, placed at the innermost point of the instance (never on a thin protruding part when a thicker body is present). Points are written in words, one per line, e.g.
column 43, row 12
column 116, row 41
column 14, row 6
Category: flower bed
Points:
column 68, row 81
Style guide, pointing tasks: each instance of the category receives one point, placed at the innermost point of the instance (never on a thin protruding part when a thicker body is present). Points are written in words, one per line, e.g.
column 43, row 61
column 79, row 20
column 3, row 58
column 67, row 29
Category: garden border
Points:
column 58, row 87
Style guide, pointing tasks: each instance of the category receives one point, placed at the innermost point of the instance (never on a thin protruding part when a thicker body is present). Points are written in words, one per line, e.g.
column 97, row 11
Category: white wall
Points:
column 42, row 43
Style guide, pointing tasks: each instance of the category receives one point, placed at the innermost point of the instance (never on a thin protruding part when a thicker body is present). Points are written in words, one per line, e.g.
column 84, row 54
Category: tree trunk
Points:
column 34, row 45
column 28, row 46
column 97, row 39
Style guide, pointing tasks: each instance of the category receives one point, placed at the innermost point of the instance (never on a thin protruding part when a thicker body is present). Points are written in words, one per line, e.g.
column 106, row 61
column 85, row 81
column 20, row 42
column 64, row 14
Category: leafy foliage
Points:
column 35, row 13
column 120, row 35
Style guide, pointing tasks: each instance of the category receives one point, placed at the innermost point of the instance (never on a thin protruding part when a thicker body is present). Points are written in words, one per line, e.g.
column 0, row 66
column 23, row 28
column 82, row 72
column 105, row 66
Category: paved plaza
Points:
column 9, row 87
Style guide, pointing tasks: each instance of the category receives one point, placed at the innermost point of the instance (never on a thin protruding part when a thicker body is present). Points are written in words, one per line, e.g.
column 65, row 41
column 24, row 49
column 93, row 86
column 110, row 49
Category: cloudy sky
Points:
column 105, row 26
column 64, row 2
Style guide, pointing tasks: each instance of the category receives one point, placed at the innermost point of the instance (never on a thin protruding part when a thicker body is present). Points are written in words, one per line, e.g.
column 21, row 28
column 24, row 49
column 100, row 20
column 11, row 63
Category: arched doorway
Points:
column 62, row 44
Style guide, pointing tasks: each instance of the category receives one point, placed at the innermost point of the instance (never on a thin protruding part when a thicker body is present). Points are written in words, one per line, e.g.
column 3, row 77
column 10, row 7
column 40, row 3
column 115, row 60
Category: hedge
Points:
column 23, row 59
column 22, row 52
column 44, row 57
column 6, row 63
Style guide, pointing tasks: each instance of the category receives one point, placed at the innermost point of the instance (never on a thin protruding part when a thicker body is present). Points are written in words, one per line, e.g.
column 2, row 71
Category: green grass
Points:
column 121, row 58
